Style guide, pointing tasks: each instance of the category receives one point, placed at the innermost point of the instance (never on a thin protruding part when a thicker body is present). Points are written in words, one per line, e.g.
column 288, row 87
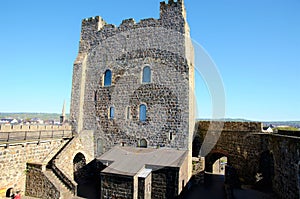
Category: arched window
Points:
column 146, row 74
column 143, row 112
column 107, row 78
column 111, row 113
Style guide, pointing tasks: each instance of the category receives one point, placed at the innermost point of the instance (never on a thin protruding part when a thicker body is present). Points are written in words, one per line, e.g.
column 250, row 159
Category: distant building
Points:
column 8, row 121
column 36, row 121
column 267, row 129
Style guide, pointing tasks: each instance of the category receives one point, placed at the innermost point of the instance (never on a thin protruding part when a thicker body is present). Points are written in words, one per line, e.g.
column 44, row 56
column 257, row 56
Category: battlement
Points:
column 230, row 126
column 128, row 22
column 171, row 3
column 19, row 128
column 95, row 29
column 93, row 21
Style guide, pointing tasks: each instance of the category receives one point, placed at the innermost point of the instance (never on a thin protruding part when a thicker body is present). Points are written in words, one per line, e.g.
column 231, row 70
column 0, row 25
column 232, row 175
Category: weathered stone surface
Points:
column 13, row 161
column 38, row 185
column 163, row 44
column 273, row 157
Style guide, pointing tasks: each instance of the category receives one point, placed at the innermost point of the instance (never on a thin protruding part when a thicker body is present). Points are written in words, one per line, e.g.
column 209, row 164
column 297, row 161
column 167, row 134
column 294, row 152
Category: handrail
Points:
column 34, row 135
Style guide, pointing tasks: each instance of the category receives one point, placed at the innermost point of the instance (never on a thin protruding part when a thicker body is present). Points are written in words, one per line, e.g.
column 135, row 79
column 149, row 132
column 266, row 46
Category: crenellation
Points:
column 18, row 128
column 127, row 22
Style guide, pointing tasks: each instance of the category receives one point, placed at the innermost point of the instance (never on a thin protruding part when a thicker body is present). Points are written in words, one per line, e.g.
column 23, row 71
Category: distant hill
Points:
column 24, row 116
column 295, row 124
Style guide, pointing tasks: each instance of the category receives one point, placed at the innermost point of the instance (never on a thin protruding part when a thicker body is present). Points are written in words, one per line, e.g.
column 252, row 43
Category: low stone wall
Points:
column 230, row 126
column 14, row 128
column 38, row 185
column 13, row 161
column 289, row 133
column 10, row 134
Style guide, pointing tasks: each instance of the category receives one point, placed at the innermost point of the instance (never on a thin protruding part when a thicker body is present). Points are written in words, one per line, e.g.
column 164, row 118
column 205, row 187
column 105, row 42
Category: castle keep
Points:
column 132, row 124
column 132, row 84
column 133, row 87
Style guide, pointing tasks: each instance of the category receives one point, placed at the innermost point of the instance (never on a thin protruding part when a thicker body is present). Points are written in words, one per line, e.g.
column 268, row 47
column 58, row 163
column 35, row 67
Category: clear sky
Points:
column 254, row 43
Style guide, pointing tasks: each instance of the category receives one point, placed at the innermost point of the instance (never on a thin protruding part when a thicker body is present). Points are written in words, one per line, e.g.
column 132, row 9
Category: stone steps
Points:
column 52, row 153
column 65, row 193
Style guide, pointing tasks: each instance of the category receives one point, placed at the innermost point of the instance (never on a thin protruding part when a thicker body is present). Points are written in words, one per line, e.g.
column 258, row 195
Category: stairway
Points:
column 65, row 193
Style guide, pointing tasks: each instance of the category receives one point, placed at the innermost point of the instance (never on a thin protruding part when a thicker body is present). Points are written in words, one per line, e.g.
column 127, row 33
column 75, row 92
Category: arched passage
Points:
column 215, row 157
column 79, row 162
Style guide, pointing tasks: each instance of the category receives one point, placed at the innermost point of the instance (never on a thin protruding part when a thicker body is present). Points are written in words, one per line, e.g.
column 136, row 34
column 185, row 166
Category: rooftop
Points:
column 130, row 161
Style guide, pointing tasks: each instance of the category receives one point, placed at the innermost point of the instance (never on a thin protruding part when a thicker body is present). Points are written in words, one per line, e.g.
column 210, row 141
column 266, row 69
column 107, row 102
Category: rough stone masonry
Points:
column 164, row 46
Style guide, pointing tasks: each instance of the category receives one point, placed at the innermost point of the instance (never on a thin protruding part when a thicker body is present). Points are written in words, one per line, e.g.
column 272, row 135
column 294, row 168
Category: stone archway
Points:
column 212, row 157
column 79, row 163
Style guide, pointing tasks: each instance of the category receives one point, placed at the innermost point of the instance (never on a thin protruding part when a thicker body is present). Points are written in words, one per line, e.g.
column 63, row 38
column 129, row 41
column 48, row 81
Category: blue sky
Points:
column 254, row 43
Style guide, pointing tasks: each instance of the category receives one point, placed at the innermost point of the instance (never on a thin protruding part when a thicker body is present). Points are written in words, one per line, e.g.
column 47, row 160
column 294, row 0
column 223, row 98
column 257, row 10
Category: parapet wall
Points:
column 16, row 128
column 230, row 126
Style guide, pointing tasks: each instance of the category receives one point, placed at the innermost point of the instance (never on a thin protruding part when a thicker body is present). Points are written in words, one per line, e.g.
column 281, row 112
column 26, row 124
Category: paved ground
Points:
column 214, row 189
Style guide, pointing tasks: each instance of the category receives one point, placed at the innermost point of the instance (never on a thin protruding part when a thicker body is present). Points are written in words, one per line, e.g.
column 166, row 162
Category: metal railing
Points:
column 23, row 136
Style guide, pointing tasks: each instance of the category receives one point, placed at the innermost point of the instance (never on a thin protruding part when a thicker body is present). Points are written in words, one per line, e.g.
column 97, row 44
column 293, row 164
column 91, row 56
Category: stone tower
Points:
column 133, row 84
column 62, row 118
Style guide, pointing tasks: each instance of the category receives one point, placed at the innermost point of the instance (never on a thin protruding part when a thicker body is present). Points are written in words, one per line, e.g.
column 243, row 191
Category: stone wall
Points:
column 165, row 182
column 81, row 143
column 21, row 128
column 116, row 186
column 257, row 157
column 38, row 185
column 286, row 157
column 13, row 160
column 144, row 187
column 125, row 50
column 238, row 141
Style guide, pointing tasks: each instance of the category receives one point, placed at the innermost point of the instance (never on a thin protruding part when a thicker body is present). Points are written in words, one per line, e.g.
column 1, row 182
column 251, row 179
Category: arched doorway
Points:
column 9, row 192
column 265, row 174
column 79, row 163
column 143, row 143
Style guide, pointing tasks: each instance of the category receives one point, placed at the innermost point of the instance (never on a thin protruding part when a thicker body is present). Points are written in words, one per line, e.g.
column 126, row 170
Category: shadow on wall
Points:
column 88, row 177
column 265, row 174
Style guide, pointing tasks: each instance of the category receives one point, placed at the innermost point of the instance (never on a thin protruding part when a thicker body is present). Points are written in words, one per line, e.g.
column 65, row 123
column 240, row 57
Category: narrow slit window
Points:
column 146, row 74
column 128, row 113
column 111, row 113
column 107, row 78
column 143, row 112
